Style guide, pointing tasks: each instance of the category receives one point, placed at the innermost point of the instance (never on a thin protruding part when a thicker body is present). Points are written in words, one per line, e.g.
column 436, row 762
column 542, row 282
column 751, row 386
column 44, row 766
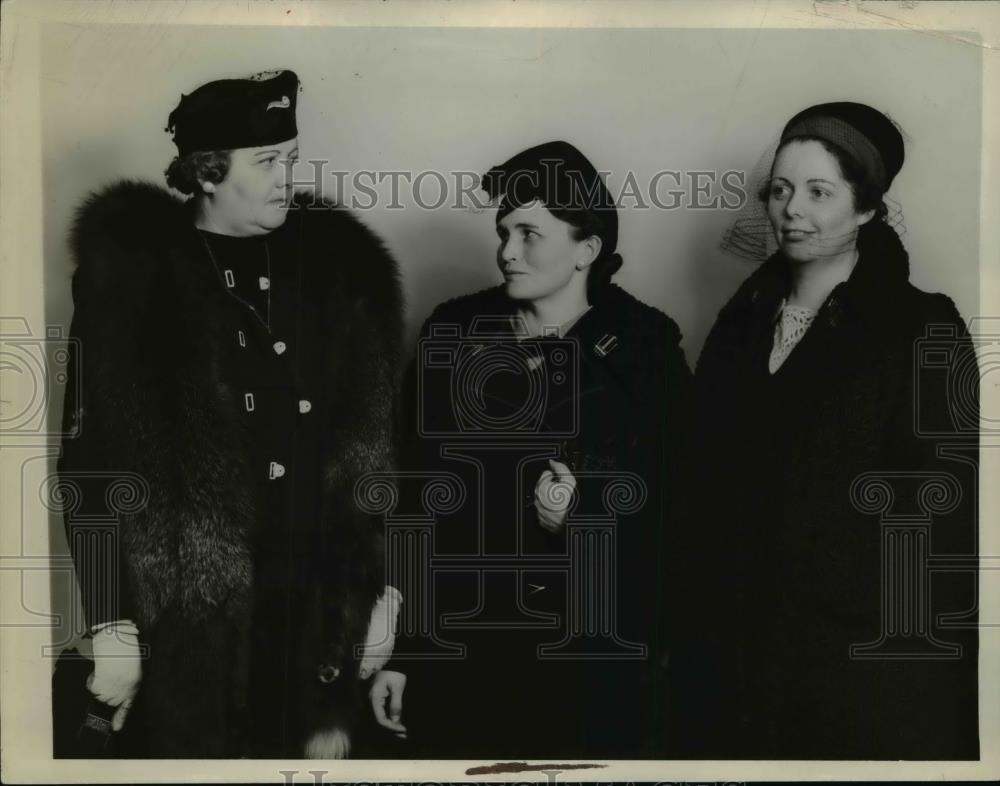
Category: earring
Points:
column 580, row 266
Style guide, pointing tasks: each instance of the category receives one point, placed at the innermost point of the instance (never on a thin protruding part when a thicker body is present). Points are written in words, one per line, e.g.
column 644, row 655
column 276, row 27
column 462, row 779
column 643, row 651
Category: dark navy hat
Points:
column 233, row 113
column 864, row 133
column 559, row 176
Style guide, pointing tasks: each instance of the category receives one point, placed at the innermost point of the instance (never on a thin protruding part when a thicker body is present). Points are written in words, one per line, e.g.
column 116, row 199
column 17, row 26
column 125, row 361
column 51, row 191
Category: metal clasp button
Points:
column 606, row 345
column 327, row 673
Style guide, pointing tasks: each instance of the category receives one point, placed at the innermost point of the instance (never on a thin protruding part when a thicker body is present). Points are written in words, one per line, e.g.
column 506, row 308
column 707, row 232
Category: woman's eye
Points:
column 268, row 161
column 530, row 235
column 819, row 193
column 778, row 191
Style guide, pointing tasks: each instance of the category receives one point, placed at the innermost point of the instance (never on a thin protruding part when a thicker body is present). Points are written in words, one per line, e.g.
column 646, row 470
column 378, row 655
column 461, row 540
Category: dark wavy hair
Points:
column 185, row 173
column 584, row 223
column 866, row 194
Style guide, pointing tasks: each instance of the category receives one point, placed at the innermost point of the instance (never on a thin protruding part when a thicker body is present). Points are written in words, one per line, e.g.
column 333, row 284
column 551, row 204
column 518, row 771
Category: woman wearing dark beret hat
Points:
column 817, row 628
column 576, row 386
column 231, row 376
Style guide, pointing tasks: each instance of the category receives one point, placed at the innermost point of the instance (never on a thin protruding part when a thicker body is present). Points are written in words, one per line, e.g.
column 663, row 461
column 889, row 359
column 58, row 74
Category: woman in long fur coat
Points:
column 236, row 377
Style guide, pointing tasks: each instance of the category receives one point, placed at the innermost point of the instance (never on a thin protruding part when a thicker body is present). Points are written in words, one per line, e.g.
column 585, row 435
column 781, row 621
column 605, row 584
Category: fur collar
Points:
column 160, row 404
column 883, row 268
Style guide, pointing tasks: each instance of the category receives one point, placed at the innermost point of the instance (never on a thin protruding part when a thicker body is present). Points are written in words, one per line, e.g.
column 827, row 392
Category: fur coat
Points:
column 160, row 446
column 802, row 476
column 614, row 399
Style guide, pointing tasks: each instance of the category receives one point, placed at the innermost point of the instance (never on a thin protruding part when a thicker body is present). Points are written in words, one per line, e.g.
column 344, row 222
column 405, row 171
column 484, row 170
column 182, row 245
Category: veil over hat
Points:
column 866, row 135
column 561, row 177
column 232, row 113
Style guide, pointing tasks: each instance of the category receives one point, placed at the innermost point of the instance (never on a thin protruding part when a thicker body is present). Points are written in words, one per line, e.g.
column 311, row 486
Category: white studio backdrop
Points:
column 463, row 99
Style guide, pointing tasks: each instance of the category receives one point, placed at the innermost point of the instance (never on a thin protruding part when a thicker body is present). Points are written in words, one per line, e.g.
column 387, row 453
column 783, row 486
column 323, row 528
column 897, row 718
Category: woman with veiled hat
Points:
column 816, row 629
column 559, row 400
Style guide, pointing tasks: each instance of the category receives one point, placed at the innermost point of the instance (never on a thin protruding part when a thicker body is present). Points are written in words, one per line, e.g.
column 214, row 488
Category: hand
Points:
column 553, row 495
column 332, row 743
column 389, row 685
column 381, row 633
column 117, row 668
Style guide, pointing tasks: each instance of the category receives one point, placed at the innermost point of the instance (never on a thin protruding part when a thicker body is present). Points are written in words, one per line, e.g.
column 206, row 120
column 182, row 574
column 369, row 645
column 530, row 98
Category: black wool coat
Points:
column 157, row 407
column 614, row 402
column 786, row 564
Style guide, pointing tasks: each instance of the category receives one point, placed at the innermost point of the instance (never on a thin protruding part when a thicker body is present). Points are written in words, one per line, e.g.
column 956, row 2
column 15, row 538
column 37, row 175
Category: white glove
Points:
column 553, row 495
column 117, row 667
column 381, row 632
column 388, row 686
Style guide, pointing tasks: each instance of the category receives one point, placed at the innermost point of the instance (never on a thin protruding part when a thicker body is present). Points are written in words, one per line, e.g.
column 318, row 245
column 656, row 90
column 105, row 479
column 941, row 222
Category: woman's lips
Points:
column 795, row 234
